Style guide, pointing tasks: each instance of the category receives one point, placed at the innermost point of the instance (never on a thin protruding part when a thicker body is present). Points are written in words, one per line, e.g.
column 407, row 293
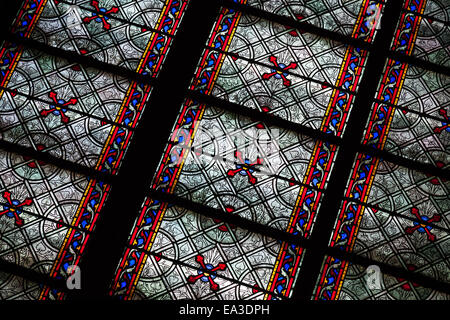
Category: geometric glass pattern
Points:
column 225, row 150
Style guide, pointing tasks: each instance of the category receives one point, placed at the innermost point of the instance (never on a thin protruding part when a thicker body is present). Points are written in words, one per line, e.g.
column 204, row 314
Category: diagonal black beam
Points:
column 396, row 214
column 45, row 218
column 312, row 261
column 195, row 268
column 330, row 251
column 397, row 272
column 56, row 161
column 272, row 67
column 257, row 228
column 290, row 22
column 404, row 108
column 427, row 16
column 74, row 57
column 268, row 173
column 404, row 162
column 296, row 24
column 269, row 119
column 421, row 63
column 32, row 275
column 105, row 248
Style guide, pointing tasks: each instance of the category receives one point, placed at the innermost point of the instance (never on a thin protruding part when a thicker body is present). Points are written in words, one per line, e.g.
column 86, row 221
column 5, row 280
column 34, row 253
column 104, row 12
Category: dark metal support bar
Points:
column 115, row 17
column 257, row 115
column 42, row 217
column 56, row 161
column 195, row 268
column 290, row 22
column 74, row 57
column 421, row 63
column 105, row 248
column 297, row 24
column 288, row 72
column 329, row 209
column 32, row 275
column 355, row 143
column 92, row 116
column 398, row 215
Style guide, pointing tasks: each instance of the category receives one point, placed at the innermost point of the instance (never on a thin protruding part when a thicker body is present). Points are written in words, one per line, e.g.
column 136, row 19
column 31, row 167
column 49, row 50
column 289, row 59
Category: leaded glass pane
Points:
column 408, row 239
column 113, row 41
column 18, row 288
column 433, row 42
column 144, row 12
column 295, row 75
column 404, row 224
column 338, row 16
column 50, row 103
column 418, row 128
column 39, row 202
column 236, row 163
column 73, row 112
column 186, row 241
column 438, row 9
column 361, row 283
column 216, row 157
column 275, row 169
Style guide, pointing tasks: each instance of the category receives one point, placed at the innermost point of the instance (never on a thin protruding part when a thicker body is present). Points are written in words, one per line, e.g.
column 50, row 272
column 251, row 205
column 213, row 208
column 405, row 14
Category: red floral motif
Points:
column 207, row 272
column 13, row 208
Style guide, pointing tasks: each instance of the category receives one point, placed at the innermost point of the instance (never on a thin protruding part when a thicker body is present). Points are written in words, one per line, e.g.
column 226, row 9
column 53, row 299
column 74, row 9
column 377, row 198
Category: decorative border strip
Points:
column 308, row 201
column 346, row 229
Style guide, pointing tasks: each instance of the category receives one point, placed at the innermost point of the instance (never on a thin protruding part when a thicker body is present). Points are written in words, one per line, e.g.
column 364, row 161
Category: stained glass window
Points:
column 228, row 150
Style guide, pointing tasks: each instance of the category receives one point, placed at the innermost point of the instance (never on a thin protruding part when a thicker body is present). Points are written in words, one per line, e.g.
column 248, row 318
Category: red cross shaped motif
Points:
column 207, row 272
column 14, row 207
column 244, row 167
column 422, row 227
column 445, row 124
column 279, row 74
column 99, row 16
column 58, row 107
